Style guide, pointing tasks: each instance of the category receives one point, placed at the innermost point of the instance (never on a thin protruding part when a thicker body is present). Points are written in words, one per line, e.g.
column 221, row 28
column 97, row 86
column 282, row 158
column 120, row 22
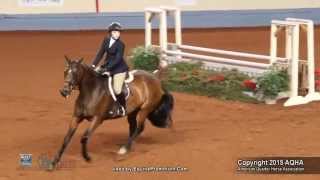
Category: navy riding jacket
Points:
column 114, row 61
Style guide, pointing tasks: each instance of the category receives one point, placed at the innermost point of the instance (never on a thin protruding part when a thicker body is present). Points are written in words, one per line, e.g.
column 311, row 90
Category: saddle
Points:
column 125, row 88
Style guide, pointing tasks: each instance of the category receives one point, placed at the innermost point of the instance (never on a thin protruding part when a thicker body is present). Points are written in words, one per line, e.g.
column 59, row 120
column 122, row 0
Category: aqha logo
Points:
column 294, row 162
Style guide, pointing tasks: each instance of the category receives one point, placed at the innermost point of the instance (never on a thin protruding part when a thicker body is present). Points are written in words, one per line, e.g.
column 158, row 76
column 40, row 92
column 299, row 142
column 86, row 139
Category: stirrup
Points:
column 121, row 111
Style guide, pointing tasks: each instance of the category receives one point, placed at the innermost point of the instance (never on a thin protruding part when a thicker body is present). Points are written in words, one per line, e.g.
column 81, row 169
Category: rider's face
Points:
column 115, row 34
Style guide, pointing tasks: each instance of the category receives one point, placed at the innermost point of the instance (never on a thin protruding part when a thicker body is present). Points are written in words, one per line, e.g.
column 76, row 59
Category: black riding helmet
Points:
column 114, row 26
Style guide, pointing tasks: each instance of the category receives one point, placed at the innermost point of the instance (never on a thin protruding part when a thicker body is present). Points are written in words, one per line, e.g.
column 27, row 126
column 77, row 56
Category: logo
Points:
column 26, row 160
column 43, row 162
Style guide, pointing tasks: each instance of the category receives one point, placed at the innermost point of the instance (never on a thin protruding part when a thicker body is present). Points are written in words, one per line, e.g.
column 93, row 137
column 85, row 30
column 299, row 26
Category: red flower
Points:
column 250, row 84
column 317, row 72
column 215, row 78
column 317, row 83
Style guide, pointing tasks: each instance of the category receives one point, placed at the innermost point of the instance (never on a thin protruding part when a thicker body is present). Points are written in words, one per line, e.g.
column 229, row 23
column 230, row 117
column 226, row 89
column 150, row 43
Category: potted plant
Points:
column 147, row 59
column 271, row 83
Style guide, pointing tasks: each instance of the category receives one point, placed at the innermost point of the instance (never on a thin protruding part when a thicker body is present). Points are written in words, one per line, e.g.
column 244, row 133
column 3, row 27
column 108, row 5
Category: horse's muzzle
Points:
column 64, row 92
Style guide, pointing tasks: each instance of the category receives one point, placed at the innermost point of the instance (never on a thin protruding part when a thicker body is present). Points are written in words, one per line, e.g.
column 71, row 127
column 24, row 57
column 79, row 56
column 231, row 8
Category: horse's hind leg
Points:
column 87, row 134
column 136, row 126
column 132, row 120
column 72, row 129
column 132, row 123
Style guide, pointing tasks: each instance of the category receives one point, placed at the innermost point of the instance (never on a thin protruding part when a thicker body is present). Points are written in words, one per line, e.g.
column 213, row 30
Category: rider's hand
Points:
column 95, row 68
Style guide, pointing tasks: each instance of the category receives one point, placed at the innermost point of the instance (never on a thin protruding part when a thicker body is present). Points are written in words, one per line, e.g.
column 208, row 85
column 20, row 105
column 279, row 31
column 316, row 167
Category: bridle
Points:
column 70, row 83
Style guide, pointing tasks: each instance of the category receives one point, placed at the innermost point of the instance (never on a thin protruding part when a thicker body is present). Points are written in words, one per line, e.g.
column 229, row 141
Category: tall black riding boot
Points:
column 122, row 104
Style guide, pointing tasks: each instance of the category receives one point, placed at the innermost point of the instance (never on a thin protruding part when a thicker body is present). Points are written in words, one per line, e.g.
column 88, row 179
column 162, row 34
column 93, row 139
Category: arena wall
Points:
column 200, row 5
column 85, row 6
column 135, row 20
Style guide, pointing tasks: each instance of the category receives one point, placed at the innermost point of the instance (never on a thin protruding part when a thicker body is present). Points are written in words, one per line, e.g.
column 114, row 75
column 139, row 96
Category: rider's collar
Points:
column 114, row 38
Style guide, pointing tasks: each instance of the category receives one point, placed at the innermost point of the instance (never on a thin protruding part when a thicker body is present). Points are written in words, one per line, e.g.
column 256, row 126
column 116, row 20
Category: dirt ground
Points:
column 209, row 135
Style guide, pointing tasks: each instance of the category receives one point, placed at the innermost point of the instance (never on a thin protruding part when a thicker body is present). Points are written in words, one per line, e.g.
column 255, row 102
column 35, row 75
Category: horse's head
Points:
column 72, row 76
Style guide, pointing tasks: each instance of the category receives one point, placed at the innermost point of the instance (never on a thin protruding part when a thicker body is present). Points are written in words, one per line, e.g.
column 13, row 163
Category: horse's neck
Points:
column 89, row 80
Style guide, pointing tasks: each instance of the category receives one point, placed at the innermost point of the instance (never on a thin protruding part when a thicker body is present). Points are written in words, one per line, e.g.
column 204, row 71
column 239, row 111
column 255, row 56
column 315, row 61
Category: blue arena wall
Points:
column 135, row 20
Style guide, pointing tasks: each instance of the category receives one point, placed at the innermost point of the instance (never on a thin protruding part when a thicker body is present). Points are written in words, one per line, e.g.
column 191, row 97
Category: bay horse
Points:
column 148, row 100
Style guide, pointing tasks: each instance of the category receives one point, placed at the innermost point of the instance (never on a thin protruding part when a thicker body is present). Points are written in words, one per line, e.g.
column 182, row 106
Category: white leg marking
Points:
column 122, row 151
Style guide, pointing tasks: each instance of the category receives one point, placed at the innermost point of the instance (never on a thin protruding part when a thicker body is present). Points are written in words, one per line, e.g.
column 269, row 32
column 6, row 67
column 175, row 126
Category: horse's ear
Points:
column 80, row 61
column 68, row 61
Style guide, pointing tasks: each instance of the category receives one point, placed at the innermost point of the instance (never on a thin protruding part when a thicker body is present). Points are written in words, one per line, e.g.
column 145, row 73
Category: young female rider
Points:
column 114, row 62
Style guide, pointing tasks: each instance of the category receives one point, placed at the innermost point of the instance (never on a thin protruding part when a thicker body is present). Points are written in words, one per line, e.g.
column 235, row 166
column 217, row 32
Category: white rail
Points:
column 219, row 59
column 283, row 23
column 225, row 52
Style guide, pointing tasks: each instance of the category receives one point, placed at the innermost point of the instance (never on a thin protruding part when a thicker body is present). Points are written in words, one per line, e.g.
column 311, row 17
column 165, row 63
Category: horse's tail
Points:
column 161, row 116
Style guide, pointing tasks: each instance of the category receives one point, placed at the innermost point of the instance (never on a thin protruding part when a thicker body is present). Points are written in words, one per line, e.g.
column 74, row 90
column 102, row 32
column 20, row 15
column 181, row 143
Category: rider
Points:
column 114, row 63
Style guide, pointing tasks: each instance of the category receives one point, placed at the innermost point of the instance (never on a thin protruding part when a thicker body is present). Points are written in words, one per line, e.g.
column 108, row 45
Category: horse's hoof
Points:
column 51, row 167
column 86, row 157
column 123, row 150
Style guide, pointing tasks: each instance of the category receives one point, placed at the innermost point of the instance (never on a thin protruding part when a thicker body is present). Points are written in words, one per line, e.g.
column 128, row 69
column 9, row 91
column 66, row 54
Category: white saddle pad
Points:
column 126, row 84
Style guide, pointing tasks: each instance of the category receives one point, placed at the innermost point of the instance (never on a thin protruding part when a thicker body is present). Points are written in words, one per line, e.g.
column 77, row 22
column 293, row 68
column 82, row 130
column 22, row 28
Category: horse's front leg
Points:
column 72, row 129
column 96, row 121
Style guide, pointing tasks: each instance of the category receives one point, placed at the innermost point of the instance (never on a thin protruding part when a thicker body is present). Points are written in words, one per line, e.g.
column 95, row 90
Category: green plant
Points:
column 145, row 58
column 191, row 78
column 271, row 83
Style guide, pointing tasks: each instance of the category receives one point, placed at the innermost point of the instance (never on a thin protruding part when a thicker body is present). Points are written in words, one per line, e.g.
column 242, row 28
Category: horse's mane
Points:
column 87, row 67
column 90, row 70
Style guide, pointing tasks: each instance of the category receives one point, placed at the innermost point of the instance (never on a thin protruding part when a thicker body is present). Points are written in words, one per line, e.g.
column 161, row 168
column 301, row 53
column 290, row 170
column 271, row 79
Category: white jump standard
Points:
column 308, row 26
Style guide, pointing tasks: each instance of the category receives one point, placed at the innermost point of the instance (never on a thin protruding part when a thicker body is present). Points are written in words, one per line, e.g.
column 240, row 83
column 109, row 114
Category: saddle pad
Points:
column 126, row 87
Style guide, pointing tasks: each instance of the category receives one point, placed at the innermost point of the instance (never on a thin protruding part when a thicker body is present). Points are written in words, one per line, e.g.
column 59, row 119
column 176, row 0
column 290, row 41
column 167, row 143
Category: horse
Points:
column 148, row 100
